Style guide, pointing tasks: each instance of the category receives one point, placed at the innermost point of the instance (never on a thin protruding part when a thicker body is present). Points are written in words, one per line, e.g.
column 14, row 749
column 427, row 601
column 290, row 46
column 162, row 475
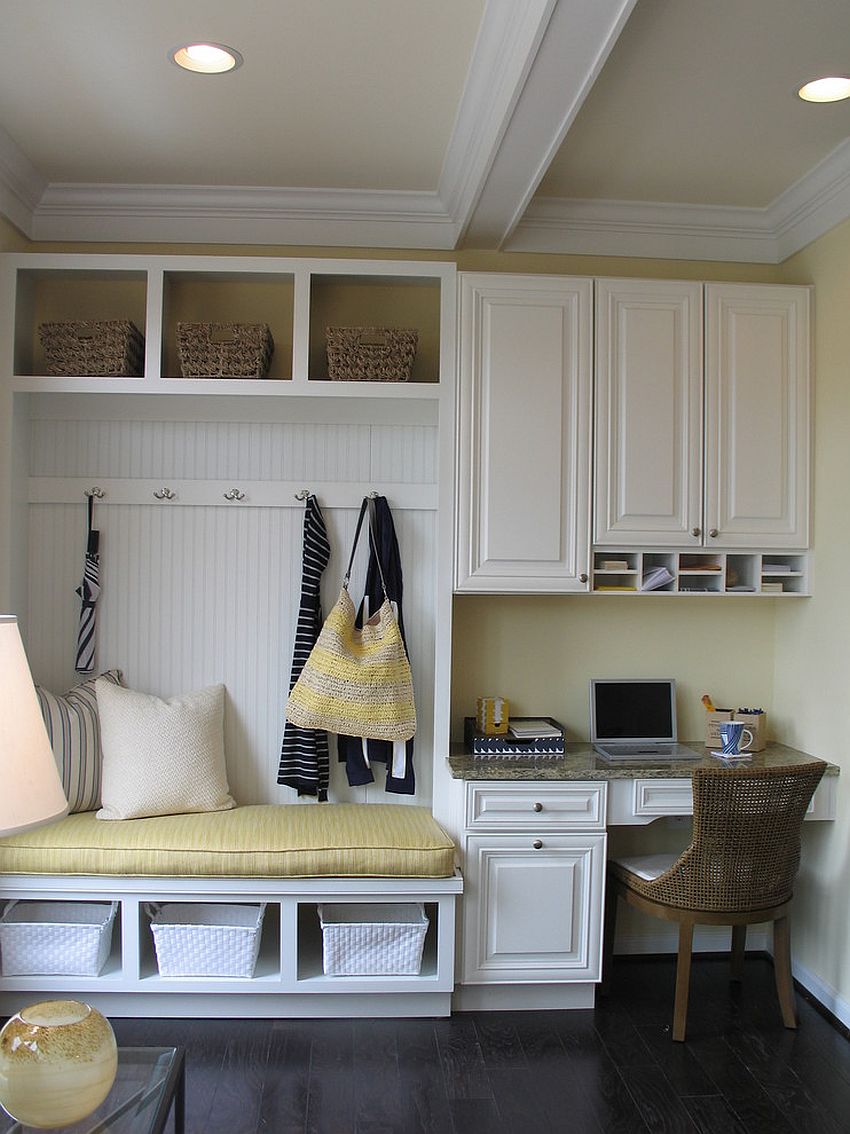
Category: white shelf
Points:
column 698, row 573
column 297, row 298
column 290, row 956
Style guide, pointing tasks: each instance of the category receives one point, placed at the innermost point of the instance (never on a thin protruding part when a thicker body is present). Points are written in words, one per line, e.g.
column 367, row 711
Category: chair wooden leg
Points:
column 683, row 979
column 782, row 971
column 609, row 929
column 739, row 944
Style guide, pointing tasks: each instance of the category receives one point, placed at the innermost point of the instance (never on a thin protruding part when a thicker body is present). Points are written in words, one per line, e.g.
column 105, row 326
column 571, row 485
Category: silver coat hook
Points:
column 96, row 492
column 234, row 494
column 303, row 494
column 165, row 494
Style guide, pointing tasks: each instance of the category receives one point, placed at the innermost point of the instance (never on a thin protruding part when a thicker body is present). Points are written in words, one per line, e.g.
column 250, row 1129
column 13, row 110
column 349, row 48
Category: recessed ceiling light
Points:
column 206, row 58
column 831, row 89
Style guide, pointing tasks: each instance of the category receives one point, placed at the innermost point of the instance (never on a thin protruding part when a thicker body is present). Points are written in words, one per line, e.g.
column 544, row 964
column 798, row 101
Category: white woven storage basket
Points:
column 206, row 939
column 55, row 938
column 373, row 940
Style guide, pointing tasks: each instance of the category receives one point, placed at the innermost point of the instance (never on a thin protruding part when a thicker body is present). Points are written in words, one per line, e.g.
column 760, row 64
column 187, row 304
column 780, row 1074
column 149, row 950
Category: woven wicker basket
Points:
column 224, row 350
column 55, row 938
column 371, row 354
column 112, row 348
column 206, row 939
column 372, row 940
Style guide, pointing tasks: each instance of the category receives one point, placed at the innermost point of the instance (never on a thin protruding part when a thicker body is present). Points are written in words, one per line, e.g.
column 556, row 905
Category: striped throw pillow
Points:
column 74, row 729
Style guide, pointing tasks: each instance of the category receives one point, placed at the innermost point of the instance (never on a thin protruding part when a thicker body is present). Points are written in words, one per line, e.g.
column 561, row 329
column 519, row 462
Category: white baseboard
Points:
column 823, row 992
column 715, row 939
column 522, row 997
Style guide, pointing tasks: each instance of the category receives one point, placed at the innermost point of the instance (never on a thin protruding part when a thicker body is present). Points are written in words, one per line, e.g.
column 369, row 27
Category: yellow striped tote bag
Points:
column 357, row 681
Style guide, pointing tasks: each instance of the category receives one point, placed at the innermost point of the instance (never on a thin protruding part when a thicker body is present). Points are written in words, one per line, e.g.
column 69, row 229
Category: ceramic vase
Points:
column 58, row 1060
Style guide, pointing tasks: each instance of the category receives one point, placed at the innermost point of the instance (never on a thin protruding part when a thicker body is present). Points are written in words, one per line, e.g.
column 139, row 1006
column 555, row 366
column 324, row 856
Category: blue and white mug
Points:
column 731, row 734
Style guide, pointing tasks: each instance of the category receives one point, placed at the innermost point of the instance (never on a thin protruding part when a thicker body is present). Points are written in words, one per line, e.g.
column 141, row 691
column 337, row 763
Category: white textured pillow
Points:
column 161, row 757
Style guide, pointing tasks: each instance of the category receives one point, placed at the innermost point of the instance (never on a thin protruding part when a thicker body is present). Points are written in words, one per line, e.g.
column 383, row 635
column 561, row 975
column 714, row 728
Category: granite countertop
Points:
column 580, row 762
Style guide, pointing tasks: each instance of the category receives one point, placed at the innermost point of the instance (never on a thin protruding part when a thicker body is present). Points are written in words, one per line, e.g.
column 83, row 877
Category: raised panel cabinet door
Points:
column 524, row 440
column 533, row 908
column 648, row 413
column 757, row 415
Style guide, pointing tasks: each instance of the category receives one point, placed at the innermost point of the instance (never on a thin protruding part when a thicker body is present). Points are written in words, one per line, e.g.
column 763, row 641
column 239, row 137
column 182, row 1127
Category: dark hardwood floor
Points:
column 612, row 1070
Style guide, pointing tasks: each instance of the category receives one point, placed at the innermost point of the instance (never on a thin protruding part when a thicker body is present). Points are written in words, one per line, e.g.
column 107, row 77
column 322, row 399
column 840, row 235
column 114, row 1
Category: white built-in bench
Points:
column 291, row 857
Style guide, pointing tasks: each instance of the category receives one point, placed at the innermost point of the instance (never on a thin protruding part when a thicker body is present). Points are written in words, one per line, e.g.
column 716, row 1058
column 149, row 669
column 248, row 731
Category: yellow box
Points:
column 493, row 715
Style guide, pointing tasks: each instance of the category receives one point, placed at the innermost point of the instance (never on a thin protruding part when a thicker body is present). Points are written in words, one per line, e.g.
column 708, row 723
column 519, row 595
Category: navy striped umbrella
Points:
column 88, row 590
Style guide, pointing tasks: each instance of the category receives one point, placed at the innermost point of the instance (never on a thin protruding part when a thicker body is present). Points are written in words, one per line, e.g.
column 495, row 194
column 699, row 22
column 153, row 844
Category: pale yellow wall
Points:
column 11, row 239
column 540, row 652
column 812, row 680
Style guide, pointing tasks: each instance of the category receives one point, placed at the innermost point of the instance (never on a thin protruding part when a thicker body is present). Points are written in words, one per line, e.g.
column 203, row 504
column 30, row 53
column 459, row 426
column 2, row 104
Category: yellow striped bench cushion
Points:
column 347, row 840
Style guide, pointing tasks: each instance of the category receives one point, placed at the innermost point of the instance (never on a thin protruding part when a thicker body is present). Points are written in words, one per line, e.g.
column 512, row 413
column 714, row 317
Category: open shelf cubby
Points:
column 699, row 572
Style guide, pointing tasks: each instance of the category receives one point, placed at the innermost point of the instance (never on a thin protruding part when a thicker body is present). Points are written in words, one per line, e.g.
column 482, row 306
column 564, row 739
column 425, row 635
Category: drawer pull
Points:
column 538, row 844
column 537, row 807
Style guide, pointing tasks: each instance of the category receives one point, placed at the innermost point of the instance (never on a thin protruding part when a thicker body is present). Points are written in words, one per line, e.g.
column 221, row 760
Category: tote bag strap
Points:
column 367, row 506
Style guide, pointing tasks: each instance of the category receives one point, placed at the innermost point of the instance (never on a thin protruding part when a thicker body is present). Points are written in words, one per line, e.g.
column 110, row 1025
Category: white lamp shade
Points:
column 30, row 788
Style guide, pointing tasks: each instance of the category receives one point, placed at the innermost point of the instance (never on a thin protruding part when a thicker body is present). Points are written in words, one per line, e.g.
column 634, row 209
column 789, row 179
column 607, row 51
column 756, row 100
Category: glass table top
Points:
column 139, row 1100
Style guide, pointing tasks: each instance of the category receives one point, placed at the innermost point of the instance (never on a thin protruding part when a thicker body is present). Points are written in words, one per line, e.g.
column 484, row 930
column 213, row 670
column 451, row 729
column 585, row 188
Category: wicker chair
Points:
column 739, row 870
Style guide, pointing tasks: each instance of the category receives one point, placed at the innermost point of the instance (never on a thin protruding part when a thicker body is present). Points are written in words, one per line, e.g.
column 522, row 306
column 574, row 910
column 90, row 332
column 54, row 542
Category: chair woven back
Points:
column 746, row 839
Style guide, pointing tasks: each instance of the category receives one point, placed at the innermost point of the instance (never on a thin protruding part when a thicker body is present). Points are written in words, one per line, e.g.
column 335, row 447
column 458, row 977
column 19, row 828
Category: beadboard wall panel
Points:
column 194, row 595
column 219, row 450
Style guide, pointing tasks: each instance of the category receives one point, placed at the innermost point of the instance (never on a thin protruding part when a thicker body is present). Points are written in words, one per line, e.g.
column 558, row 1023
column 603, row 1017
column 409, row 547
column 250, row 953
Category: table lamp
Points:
column 57, row 1059
column 32, row 790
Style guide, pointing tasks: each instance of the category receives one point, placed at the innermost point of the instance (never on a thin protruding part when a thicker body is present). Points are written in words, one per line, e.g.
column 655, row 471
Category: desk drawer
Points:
column 535, row 806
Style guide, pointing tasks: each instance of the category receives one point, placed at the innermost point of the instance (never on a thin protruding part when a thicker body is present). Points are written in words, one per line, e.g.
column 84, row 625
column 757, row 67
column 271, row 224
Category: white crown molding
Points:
column 651, row 229
column 243, row 215
column 21, row 185
column 578, row 38
column 815, row 204
column 503, row 55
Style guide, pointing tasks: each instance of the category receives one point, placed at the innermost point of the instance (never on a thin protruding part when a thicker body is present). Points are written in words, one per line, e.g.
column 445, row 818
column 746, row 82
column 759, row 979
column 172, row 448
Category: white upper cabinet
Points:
column 648, row 416
column 701, row 415
column 524, row 433
column 757, row 416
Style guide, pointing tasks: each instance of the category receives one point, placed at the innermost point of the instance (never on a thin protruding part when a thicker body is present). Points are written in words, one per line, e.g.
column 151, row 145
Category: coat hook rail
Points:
column 165, row 494
column 98, row 493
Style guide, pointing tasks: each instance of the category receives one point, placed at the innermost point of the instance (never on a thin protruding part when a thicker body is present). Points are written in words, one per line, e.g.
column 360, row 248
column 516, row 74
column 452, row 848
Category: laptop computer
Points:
column 635, row 719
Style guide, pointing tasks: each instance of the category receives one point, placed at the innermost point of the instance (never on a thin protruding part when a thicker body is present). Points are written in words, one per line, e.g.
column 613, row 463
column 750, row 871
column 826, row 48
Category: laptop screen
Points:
column 633, row 710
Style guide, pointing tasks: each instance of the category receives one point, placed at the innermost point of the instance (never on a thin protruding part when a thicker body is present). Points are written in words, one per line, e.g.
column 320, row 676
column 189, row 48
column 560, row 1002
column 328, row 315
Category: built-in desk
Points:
column 534, row 849
column 639, row 792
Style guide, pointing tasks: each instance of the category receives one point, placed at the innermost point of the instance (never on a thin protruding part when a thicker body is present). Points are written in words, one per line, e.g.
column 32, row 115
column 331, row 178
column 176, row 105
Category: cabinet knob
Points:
column 583, row 577
column 537, row 844
column 713, row 532
column 537, row 807
column 696, row 531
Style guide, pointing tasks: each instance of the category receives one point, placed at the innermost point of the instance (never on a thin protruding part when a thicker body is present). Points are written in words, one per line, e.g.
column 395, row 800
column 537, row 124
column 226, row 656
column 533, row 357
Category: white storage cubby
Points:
column 289, row 964
column 297, row 298
column 165, row 450
column 228, row 297
column 701, row 573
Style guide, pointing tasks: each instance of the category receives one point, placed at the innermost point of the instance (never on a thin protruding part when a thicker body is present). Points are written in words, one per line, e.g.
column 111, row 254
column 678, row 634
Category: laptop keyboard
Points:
column 639, row 749
column 672, row 751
